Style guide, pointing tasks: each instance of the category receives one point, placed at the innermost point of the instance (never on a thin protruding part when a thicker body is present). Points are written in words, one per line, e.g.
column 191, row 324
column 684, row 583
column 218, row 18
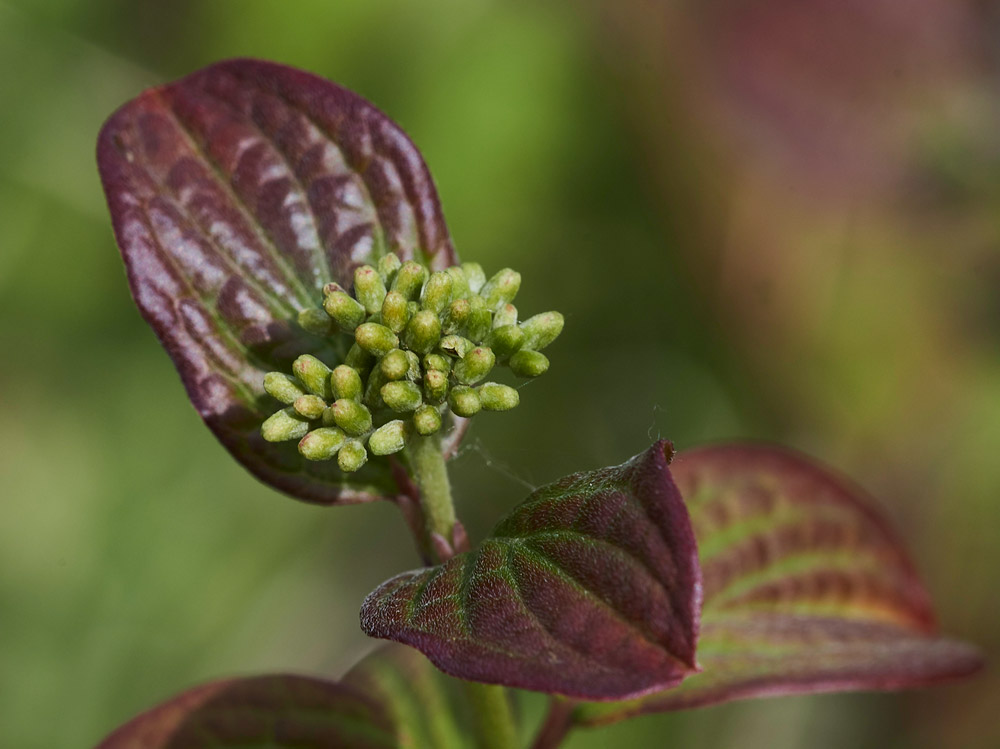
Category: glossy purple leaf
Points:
column 590, row 588
column 806, row 588
column 236, row 194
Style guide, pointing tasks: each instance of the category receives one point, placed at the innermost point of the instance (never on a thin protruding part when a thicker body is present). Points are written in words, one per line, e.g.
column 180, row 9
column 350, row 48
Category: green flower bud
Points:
column 315, row 321
column 373, row 395
column 310, row 406
column 497, row 397
column 332, row 288
column 464, row 401
column 505, row 340
column 459, row 282
column 409, row 279
column 346, row 382
column 455, row 316
column 314, row 374
column 283, row 387
column 475, row 365
column 412, row 308
column 395, row 314
column 506, row 315
column 527, row 363
column 388, row 438
column 427, row 420
column 455, row 345
column 322, row 443
column 387, row 267
column 351, row 416
column 347, row 312
column 437, row 292
column 501, row 289
column 423, row 332
column 541, row 330
column 283, row 425
column 438, row 362
column 414, row 372
column 480, row 320
column 401, row 396
column 395, row 365
column 368, row 288
column 476, row 276
column 376, row 339
column 352, row 456
column 359, row 359
column 435, row 385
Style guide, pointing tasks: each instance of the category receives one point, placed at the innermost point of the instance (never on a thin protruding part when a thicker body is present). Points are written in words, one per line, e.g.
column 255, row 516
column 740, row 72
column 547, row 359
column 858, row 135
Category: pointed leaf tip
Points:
column 589, row 588
column 236, row 194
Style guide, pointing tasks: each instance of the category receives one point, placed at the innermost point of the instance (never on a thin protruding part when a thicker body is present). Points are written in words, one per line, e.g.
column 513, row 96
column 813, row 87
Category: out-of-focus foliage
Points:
column 801, row 199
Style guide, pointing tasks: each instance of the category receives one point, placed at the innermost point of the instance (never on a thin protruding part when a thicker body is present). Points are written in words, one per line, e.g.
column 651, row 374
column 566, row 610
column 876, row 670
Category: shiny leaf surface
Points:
column 589, row 588
column 236, row 194
column 806, row 588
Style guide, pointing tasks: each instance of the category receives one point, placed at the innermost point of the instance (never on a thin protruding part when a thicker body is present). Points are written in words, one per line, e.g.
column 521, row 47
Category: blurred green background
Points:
column 775, row 219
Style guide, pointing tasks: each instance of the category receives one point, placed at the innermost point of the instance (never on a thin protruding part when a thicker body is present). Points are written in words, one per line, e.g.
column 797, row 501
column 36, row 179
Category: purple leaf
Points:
column 590, row 588
column 806, row 588
column 236, row 194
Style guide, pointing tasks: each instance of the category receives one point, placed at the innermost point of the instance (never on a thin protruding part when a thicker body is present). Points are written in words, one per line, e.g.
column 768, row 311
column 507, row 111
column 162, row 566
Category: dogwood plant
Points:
column 284, row 239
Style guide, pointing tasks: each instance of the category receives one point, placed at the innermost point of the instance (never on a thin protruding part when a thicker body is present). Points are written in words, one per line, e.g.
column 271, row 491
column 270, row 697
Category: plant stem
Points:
column 431, row 475
column 557, row 724
column 492, row 717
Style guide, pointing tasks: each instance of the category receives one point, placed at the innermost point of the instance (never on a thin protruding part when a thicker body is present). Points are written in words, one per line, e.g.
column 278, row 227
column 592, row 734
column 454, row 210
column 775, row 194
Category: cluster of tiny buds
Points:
column 423, row 343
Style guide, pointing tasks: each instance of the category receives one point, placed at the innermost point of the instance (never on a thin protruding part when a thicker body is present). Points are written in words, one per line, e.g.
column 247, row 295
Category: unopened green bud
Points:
column 388, row 438
column 376, row 339
column 506, row 315
column 464, row 401
column 427, row 420
column 476, row 276
column 475, row 365
column 497, row 397
column 455, row 345
column 501, row 289
column 435, row 385
column 368, row 288
column 527, row 363
column 480, row 320
column 314, row 374
column 351, row 416
column 315, row 321
column 346, row 382
column 438, row 362
column 332, row 288
column 409, row 279
column 283, row 387
column 423, row 332
column 395, row 314
column 373, row 396
column 283, row 425
column 401, row 396
column 310, row 406
column 541, row 330
column 505, row 341
column 455, row 316
column 459, row 282
column 437, row 292
column 387, row 267
column 395, row 365
column 346, row 311
column 322, row 443
column 413, row 372
column 352, row 456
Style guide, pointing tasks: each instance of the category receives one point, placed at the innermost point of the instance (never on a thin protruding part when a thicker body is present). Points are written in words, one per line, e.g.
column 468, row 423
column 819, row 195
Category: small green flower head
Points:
column 422, row 345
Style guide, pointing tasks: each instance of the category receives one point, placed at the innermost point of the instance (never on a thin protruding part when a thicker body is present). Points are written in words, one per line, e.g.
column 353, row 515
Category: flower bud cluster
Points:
column 423, row 343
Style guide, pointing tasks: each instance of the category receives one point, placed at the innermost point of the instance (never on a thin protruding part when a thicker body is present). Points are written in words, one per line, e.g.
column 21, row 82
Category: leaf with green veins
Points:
column 589, row 588
column 806, row 588
column 236, row 194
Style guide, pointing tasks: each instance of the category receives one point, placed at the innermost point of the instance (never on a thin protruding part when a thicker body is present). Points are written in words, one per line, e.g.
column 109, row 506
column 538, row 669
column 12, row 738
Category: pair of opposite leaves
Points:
column 236, row 194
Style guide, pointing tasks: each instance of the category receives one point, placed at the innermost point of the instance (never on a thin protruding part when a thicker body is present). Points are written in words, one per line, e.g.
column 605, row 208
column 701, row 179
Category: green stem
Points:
column 492, row 717
column 431, row 475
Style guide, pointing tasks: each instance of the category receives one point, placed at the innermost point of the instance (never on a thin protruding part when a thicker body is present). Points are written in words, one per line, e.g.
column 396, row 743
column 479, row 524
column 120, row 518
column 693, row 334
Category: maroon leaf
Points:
column 590, row 588
column 236, row 194
column 275, row 711
column 806, row 588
